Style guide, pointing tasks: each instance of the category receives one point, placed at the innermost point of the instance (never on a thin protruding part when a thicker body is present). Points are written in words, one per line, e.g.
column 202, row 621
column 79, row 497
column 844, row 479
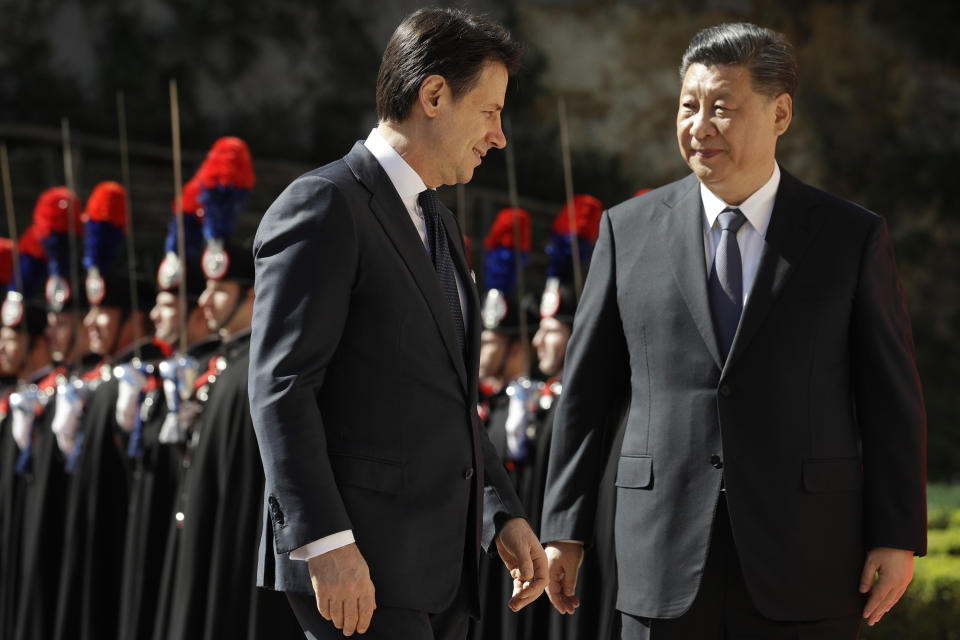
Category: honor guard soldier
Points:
column 22, row 359
column 214, row 565
column 508, row 408
column 45, row 261
column 86, row 410
column 153, row 407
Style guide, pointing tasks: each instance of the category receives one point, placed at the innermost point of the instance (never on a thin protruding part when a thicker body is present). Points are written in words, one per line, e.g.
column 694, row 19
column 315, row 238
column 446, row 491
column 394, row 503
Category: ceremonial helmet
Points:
column 49, row 237
column 169, row 277
column 225, row 180
column 20, row 308
column 107, row 283
column 508, row 239
column 559, row 299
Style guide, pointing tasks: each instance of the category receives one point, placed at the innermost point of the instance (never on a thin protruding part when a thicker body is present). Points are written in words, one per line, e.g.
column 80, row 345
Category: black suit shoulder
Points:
column 841, row 212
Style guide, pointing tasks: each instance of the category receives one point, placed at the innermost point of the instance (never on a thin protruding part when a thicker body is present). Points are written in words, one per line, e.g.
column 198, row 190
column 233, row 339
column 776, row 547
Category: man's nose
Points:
column 496, row 136
column 701, row 126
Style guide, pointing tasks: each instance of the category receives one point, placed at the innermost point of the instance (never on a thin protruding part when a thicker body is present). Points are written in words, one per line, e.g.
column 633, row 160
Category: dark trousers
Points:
column 723, row 609
column 388, row 623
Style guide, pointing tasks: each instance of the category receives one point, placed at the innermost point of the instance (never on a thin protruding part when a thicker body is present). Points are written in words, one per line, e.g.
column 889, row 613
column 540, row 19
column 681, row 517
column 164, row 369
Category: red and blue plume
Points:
column 50, row 214
column 500, row 265
column 192, row 221
column 587, row 211
column 33, row 261
column 51, row 224
column 105, row 226
column 226, row 178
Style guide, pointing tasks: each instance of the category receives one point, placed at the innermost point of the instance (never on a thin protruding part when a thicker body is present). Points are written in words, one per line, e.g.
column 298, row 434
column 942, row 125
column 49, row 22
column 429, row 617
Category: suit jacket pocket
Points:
column 635, row 472
column 367, row 472
column 832, row 475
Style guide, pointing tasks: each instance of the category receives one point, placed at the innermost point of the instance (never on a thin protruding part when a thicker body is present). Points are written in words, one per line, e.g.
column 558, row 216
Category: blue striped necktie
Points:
column 726, row 280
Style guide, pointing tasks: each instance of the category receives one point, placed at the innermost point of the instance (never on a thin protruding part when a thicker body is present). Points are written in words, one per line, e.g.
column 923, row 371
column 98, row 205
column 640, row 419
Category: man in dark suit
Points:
column 363, row 364
column 773, row 463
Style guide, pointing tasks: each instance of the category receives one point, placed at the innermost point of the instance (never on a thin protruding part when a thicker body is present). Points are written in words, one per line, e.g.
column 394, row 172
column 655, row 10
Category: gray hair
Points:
column 768, row 55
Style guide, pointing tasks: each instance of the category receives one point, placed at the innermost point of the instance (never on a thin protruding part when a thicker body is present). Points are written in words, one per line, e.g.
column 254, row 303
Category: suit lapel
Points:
column 386, row 205
column 791, row 228
column 682, row 226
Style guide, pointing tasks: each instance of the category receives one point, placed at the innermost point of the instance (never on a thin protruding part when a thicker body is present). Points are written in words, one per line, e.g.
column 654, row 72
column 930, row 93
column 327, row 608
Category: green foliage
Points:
column 930, row 609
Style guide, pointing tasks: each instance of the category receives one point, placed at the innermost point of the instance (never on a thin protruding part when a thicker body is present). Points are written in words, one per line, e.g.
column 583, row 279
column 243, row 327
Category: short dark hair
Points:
column 446, row 42
column 767, row 54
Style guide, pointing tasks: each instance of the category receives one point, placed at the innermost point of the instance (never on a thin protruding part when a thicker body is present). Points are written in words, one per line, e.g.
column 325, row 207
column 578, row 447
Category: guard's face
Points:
column 101, row 325
column 59, row 334
column 727, row 131
column 13, row 350
column 550, row 341
column 469, row 126
column 493, row 353
column 218, row 301
column 165, row 317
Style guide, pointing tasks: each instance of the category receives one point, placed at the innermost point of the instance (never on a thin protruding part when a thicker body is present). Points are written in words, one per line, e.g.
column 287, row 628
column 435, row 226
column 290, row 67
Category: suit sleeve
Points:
column 500, row 500
column 595, row 372
column 306, row 256
column 889, row 403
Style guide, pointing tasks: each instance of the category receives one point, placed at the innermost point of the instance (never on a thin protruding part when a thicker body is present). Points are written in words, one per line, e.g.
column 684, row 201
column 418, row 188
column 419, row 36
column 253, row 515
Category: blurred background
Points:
column 877, row 121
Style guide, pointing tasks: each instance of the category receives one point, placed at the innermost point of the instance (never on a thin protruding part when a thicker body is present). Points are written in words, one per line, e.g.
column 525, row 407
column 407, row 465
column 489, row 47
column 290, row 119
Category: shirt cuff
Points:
column 323, row 545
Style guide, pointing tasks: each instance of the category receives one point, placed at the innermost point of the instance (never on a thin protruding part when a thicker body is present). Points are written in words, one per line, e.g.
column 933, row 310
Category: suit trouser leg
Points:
column 388, row 623
column 723, row 609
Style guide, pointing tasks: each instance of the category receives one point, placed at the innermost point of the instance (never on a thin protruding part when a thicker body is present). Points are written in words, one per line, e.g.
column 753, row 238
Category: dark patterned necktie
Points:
column 726, row 280
column 442, row 262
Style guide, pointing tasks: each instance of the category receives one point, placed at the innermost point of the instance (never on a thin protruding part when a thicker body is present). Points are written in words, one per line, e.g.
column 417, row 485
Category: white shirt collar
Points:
column 757, row 208
column 406, row 181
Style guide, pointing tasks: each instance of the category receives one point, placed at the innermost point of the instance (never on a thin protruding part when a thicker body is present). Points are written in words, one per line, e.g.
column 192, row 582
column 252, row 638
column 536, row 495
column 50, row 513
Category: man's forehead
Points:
column 715, row 78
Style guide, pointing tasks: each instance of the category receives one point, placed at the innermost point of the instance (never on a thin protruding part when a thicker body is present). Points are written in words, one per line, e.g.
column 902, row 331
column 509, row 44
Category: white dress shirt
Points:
column 757, row 209
column 409, row 185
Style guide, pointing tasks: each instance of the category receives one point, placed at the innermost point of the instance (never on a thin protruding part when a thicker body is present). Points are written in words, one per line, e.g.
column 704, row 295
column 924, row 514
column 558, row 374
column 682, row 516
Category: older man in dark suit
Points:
column 380, row 482
column 773, row 465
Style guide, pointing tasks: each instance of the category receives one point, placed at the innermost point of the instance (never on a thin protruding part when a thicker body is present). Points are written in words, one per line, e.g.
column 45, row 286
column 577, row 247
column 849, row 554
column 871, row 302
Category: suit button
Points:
column 468, row 474
column 726, row 390
column 716, row 461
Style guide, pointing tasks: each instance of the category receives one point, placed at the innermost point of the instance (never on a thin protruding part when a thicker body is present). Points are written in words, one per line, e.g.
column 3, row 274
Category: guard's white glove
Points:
column 131, row 383
column 178, row 375
column 71, row 397
column 23, row 404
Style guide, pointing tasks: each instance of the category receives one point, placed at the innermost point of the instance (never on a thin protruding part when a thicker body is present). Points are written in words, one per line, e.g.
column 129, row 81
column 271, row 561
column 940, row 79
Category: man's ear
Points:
column 783, row 110
column 431, row 90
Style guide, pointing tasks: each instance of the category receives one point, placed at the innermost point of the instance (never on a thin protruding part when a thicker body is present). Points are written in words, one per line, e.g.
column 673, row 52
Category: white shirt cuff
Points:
column 323, row 545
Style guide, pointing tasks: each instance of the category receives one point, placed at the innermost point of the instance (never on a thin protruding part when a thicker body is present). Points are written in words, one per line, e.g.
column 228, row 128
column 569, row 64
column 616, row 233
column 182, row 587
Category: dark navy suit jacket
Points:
column 364, row 408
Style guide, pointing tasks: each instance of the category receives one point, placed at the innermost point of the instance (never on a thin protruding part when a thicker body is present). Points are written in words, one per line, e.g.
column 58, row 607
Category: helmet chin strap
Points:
column 241, row 298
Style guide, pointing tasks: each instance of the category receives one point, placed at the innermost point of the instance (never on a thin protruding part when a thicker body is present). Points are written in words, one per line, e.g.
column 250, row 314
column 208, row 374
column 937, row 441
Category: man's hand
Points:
column 524, row 558
column 345, row 594
column 895, row 567
column 563, row 565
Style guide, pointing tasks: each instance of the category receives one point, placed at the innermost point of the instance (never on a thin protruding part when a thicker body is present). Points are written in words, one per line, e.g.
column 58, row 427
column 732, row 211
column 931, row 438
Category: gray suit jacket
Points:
column 815, row 422
column 364, row 409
